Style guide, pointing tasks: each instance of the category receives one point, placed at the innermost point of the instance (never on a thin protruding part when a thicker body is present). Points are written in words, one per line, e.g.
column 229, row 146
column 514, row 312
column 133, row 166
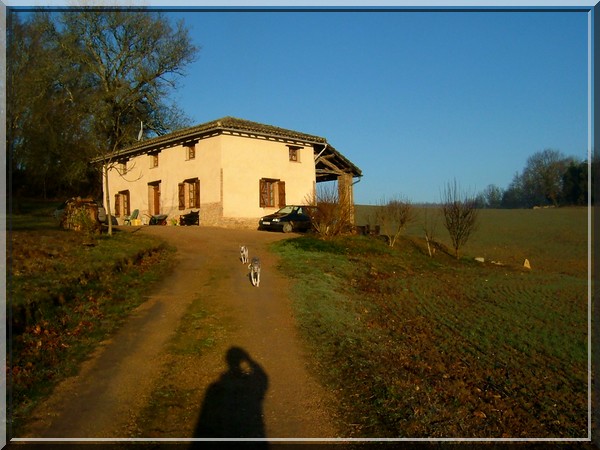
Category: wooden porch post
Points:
column 346, row 194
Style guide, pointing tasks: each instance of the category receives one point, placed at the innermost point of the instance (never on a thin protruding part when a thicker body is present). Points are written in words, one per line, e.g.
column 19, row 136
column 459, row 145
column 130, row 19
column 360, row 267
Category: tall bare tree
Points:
column 460, row 215
column 78, row 85
column 132, row 59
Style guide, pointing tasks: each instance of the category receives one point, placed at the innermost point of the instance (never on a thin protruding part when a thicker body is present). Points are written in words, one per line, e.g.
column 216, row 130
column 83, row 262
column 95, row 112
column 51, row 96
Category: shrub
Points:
column 332, row 212
column 393, row 216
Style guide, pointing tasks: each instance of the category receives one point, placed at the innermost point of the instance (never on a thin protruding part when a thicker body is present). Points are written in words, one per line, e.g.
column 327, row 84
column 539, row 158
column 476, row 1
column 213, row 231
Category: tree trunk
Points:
column 107, row 198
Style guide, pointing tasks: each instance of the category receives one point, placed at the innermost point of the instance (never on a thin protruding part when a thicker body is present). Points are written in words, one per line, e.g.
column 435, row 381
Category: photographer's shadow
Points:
column 232, row 406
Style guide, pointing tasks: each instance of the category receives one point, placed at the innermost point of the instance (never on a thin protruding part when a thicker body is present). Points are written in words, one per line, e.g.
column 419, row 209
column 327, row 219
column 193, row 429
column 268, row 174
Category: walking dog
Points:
column 254, row 268
column 244, row 254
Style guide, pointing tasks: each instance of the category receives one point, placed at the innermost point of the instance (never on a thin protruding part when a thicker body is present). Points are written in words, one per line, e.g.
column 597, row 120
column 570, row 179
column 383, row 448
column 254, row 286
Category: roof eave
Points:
column 194, row 134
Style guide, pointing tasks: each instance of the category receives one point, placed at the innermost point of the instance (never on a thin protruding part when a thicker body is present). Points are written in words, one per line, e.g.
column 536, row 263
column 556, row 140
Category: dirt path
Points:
column 116, row 383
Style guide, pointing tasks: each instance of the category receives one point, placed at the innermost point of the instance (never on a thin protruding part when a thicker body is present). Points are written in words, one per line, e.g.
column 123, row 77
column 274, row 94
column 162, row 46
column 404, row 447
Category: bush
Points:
column 393, row 216
column 460, row 215
column 332, row 212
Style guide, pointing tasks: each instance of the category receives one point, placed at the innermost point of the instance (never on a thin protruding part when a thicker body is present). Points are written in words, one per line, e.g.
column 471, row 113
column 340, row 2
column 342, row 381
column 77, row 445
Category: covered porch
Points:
column 331, row 165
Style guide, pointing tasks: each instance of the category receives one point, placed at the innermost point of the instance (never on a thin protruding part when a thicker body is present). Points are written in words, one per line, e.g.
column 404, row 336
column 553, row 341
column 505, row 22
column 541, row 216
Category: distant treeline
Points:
column 548, row 179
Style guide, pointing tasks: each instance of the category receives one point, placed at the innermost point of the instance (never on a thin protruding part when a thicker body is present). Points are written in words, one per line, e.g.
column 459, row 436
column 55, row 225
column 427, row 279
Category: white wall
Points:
column 229, row 169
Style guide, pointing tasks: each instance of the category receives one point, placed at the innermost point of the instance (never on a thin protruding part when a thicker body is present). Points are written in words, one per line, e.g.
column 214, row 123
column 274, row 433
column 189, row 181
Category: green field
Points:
column 435, row 347
column 553, row 239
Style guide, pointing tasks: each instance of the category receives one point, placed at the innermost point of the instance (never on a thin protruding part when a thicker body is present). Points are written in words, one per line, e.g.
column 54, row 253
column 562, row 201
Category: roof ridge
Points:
column 226, row 122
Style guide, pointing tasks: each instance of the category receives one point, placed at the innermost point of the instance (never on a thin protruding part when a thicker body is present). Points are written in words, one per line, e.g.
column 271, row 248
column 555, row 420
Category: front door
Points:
column 154, row 198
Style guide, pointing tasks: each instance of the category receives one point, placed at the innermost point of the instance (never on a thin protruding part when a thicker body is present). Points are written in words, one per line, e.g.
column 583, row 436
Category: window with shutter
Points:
column 122, row 207
column 271, row 191
column 189, row 193
column 294, row 153
column 191, row 151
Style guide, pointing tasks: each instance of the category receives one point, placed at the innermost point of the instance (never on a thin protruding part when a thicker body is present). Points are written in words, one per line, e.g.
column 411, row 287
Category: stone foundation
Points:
column 239, row 222
column 211, row 214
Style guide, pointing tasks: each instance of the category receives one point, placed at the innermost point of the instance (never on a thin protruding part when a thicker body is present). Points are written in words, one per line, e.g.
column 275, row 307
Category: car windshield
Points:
column 287, row 209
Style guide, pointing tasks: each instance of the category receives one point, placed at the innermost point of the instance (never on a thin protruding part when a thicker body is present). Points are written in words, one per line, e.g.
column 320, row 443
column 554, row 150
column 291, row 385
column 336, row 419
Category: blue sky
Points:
column 415, row 99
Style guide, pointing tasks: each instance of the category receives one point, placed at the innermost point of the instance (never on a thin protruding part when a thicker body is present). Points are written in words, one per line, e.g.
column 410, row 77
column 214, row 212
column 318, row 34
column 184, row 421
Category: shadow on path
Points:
column 233, row 405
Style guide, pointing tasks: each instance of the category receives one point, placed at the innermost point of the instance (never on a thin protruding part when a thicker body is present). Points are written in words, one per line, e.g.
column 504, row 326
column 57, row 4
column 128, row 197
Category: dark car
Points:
column 287, row 219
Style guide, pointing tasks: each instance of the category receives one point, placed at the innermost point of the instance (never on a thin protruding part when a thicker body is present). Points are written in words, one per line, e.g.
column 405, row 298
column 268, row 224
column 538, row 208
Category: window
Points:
column 191, row 151
column 189, row 194
column 154, row 160
column 271, row 193
column 294, row 153
column 194, row 193
column 123, row 167
column 122, row 204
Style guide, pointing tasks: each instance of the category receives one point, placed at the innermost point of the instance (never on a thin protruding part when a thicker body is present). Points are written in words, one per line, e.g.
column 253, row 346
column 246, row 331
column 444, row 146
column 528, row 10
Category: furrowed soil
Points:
column 165, row 373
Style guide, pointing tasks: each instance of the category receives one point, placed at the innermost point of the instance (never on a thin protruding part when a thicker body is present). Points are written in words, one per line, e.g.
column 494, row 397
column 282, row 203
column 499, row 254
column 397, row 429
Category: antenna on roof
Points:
column 141, row 131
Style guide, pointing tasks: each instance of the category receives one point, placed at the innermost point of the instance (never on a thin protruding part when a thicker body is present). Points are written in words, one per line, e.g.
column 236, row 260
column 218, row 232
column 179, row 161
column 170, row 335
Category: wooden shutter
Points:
column 181, row 189
column 117, row 205
column 281, row 193
column 263, row 193
column 150, row 200
column 196, row 194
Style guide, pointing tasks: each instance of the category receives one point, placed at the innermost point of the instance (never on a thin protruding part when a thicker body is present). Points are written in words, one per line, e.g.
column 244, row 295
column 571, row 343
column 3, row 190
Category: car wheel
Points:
column 287, row 227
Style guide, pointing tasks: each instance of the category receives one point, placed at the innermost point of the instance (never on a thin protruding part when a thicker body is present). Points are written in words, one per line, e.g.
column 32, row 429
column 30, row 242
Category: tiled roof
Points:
column 225, row 123
column 247, row 125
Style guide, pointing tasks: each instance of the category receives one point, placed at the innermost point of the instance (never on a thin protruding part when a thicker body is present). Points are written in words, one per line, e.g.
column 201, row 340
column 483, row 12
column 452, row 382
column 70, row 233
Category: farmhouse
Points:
column 232, row 170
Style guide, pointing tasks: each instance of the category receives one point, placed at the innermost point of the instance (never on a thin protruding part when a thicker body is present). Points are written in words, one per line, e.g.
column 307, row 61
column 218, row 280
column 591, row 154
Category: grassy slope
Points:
column 434, row 347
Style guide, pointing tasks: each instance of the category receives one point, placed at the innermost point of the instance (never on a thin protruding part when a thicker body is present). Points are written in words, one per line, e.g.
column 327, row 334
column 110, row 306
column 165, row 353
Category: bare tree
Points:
column 331, row 212
column 79, row 83
column 393, row 216
column 132, row 59
column 460, row 215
